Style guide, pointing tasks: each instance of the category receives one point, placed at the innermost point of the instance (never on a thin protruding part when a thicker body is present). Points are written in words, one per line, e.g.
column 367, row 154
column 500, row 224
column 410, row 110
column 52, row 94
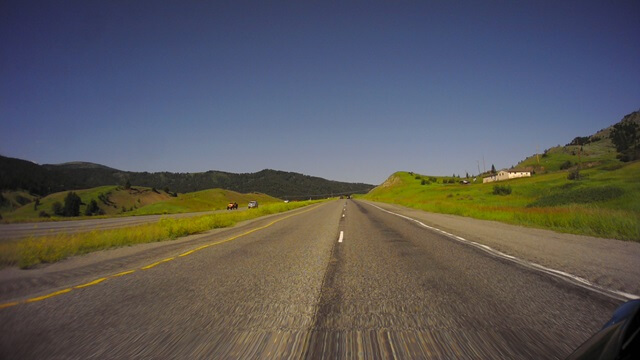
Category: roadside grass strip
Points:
column 150, row 266
column 570, row 278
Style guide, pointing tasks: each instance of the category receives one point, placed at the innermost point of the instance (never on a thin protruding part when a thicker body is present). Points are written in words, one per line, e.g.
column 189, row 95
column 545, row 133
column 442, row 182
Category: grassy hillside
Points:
column 11, row 200
column 205, row 200
column 118, row 201
column 604, row 203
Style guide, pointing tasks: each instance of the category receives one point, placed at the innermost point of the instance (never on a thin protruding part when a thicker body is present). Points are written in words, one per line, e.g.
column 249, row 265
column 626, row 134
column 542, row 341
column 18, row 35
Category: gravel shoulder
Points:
column 609, row 263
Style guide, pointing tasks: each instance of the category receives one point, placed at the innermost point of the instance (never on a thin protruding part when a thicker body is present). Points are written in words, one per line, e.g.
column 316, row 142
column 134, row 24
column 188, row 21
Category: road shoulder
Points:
column 608, row 263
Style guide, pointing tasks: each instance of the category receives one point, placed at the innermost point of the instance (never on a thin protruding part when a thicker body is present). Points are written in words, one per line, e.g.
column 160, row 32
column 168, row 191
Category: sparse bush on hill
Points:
column 423, row 182
column 433, row 180
column 93, row 209
column 626, row 138
column 72, row 204
column 43, row 214
column 418, row 177
column 501, row 190
column 563, row 195
column 566, row 165
column 22, row 200
column 580, row 140
column 574, row 174
column 57, row 209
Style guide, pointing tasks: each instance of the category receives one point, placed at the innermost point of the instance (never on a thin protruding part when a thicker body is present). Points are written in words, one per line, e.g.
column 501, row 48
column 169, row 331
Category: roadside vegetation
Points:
column 31, row 251
column 605, row 202
column 591, row 186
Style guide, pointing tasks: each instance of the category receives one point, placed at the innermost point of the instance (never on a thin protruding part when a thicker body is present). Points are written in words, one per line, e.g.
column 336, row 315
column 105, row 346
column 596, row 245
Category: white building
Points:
column 506, row 175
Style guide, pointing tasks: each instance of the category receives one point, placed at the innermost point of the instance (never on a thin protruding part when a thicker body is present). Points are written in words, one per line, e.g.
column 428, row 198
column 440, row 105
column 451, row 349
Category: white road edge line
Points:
column 576, row 280
column 341, row 236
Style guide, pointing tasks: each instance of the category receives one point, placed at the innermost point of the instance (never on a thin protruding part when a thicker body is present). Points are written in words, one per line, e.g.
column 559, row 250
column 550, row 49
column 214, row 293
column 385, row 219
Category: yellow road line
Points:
column 6, row 305
column 94, row 282
column 156, row 263
column 39, row 298
column 123, row 273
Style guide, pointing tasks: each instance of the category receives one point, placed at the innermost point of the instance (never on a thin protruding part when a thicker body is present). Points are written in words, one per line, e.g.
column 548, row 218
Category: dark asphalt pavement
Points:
column 390, row 289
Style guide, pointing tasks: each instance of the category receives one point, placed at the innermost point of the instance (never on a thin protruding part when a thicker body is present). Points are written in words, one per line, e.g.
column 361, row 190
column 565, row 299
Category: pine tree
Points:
column 72, row 204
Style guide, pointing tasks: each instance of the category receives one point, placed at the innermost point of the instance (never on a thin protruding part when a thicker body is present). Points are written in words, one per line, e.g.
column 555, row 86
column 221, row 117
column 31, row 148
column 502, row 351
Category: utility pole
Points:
column 484, row 166
column 478, row 167
column 538, row 153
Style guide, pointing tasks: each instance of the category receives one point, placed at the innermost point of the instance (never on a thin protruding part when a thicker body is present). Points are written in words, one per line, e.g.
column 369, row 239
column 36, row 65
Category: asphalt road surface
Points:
column 340, row 280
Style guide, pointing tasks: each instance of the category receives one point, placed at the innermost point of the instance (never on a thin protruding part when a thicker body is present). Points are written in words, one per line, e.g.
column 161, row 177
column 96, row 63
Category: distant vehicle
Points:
column 232, row 206
column 286, row 201
column 253, row 204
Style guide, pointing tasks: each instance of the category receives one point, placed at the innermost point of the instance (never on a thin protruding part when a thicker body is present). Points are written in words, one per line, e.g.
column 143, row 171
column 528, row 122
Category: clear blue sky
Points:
column 349, row 91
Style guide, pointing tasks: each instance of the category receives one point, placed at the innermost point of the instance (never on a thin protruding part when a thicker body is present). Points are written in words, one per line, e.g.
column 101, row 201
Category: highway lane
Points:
column 390, row 289
column 22, row 230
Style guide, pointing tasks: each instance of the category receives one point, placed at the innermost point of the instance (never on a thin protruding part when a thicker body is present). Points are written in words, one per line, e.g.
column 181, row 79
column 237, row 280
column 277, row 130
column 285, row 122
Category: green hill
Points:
column 205, row 200
column 118, row 201
column 604, row 201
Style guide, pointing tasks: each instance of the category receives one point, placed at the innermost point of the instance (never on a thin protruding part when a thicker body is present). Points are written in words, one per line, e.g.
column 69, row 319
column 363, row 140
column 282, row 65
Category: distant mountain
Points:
column 46, row 179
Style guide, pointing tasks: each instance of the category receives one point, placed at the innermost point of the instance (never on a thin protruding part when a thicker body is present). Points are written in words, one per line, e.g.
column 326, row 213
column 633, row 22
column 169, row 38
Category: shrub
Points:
column 433, row 180
column 72, row 204
column 565, row 165
column 43, row 214
column 501, row 190
column 564, row 195
column 574, row 174
column 92, row 208
column 22, row 200
column 423, row 182
column 418, row 177
column 626, row 138
column 57, row 209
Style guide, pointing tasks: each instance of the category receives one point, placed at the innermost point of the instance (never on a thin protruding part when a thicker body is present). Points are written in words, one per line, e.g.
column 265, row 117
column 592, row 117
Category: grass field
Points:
column 604, row 203
column 47, row 249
